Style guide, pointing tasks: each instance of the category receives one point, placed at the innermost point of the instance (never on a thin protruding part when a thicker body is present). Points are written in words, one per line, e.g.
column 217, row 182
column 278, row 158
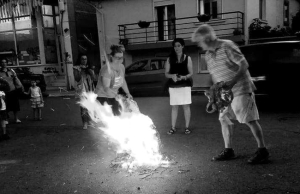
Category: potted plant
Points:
column 203, row 18
column 143, row 24
column 124, row 41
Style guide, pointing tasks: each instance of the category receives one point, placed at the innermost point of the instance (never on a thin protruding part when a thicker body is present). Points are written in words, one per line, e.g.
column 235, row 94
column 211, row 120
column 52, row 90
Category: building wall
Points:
column 274, row 11
column 116, row 12
column 294, row 8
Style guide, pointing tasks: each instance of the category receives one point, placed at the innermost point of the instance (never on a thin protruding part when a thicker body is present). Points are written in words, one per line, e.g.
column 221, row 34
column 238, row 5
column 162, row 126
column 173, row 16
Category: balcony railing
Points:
column 225, row 24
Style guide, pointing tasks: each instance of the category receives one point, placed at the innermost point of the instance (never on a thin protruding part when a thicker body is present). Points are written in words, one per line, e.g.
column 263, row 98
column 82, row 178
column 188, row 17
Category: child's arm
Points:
column 29, row 91
column 41, row 95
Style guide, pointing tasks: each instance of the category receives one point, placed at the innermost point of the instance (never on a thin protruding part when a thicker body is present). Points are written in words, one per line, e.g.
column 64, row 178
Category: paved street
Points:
column 56, row 155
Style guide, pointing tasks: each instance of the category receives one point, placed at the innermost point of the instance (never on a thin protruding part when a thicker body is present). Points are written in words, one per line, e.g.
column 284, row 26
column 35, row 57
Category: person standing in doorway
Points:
column 179, row 70
column 84, row 76
column 226, row 63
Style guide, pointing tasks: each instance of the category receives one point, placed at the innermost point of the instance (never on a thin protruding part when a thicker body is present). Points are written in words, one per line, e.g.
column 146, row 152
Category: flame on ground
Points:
column 132, row 132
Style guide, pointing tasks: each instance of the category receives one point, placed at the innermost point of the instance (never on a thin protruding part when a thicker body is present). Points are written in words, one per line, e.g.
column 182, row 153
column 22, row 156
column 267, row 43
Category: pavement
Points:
column 56, row 155
column 60, row 93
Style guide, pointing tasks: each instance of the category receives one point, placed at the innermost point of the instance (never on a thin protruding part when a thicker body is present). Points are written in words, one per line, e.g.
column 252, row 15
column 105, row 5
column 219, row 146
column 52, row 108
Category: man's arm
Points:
column 235, row 56
column 241, row 71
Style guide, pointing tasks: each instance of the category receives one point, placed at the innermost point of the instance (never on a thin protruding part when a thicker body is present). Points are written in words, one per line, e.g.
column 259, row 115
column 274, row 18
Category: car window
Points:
column 157, row 64
column 138, row 67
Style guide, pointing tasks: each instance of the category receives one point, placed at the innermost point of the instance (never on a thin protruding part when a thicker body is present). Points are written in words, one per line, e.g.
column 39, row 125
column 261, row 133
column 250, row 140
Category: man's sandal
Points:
column 171, row 131
column 187, row 131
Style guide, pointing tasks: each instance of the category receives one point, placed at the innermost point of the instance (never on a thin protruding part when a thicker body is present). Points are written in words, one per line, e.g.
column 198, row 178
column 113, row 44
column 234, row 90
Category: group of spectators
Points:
column 10, row 89
column 226, row 64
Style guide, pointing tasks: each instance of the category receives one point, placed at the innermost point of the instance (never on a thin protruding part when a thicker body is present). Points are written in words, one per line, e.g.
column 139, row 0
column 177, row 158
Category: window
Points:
column 165, row 16
column 50, row 24
column 138, row 67
column 19, row 37
column 262, row 9
column 28, row 36
column 210, row 7
column 157, row 64
column 202, row 65
column 286, row 13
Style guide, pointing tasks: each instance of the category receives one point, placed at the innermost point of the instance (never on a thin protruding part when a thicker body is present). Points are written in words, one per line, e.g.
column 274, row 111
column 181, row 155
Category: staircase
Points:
column 57, row 83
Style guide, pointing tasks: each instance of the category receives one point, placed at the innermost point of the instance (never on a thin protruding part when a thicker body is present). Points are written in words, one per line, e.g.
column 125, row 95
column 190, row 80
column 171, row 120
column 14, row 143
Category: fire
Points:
column 132, row 132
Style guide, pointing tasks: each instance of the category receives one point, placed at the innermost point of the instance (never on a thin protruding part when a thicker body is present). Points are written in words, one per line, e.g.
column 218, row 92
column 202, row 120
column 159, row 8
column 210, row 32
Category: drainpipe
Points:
column 61, row 7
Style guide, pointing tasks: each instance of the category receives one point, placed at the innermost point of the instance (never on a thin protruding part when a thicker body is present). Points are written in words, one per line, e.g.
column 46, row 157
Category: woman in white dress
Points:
column 179, row 70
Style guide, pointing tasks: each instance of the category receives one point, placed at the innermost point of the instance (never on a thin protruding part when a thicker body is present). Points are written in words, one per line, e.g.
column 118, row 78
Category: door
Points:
column 166, row 22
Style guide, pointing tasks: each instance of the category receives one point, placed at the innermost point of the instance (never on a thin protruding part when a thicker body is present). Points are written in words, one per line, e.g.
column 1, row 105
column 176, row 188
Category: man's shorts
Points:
column 243, row 108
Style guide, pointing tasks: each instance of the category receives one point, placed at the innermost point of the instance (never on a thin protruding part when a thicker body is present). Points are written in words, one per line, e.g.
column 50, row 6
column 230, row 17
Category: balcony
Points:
column 143, row 35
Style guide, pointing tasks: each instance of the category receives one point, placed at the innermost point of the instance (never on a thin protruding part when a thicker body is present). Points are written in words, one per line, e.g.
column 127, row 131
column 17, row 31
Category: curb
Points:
column 61, row 95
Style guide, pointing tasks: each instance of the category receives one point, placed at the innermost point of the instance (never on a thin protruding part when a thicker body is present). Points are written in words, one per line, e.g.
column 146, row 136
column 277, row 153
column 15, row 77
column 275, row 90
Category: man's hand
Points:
column 129, row 96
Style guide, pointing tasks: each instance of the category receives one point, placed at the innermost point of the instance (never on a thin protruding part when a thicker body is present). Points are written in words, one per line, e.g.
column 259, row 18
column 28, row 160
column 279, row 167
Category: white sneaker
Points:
column 18, row 121
column 85, row 126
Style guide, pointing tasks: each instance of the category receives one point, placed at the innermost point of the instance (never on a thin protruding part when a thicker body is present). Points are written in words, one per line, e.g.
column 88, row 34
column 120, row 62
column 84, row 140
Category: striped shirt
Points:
column 223, row 64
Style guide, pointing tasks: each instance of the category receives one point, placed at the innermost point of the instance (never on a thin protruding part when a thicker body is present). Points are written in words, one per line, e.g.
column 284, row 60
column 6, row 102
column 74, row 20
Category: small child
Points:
column 3, row 115
column 37, row 101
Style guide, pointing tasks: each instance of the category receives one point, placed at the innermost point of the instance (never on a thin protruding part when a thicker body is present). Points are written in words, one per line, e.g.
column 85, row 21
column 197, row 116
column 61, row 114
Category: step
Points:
column 58, row 84
column 52, row 88
column 59, row 78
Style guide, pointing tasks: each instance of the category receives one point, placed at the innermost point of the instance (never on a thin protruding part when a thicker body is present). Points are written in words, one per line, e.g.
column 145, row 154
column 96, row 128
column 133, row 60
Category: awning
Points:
column 18, row 7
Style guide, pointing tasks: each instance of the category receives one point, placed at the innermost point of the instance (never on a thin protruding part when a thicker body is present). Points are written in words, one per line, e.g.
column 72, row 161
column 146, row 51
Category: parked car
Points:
column 146, row 77
column 275, row 70
column 274, row 67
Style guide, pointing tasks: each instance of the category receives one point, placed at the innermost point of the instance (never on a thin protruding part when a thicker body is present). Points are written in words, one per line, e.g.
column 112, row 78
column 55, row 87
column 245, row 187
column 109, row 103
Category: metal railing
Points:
column 225, row 24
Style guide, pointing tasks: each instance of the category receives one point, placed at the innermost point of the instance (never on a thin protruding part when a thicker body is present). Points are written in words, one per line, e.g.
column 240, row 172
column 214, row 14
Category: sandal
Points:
column 187, row 131
column 171, row 131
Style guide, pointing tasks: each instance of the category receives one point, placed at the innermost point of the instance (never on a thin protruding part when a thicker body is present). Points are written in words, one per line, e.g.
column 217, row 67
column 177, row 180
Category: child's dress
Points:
column 3, row 115
column 36, row 100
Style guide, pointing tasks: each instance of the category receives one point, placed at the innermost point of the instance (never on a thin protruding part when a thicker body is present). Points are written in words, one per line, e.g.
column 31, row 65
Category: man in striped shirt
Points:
column 226, row 63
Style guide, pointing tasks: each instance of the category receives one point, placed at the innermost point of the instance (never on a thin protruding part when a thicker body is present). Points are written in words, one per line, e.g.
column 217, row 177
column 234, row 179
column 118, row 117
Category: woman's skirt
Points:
column 12, row 101
column 180, row 96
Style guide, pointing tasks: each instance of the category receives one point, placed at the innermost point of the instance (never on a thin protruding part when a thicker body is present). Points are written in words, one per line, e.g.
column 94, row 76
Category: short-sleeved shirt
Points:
column 223, row 64
column 8, row 76
column 117, row 80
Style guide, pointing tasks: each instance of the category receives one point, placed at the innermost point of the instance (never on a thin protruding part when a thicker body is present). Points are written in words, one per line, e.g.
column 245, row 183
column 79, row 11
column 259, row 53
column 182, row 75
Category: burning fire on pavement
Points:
column 133, row 134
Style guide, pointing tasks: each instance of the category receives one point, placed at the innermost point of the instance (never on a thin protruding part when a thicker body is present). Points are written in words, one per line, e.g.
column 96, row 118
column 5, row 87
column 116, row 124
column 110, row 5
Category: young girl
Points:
column 3, row 115
column 37, row 101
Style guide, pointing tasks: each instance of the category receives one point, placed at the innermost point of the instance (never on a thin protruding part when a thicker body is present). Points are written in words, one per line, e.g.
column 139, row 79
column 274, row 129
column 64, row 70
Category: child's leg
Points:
column 34, row 110
column 5, row 135
column 3, row 126
column 40, row 113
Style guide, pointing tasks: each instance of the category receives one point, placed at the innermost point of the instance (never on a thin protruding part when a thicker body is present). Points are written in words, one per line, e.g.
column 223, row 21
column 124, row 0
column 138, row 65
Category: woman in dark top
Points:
column 11, row 96
column 179, row 70
column 84, row 76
